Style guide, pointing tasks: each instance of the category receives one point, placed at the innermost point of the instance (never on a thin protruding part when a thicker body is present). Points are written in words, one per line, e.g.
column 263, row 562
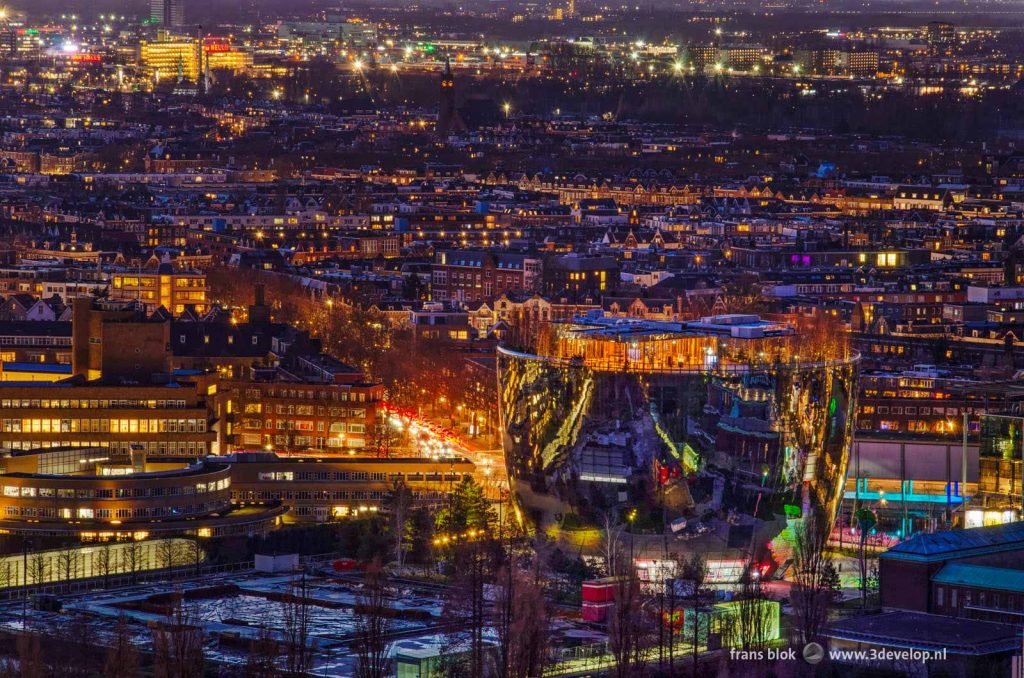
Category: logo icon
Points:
column 813, row 653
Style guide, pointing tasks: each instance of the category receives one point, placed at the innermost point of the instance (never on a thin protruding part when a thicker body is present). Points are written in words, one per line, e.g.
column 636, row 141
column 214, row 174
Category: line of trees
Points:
column 411, row 369
column 498, row 608
column 654, row 622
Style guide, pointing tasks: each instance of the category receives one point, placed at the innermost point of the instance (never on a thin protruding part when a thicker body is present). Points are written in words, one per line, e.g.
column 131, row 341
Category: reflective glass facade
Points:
column 606, row 415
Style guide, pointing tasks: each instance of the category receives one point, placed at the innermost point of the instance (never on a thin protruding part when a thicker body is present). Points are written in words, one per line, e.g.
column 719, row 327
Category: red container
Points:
column 344, row 564
column 599, row 590
column 596, row 612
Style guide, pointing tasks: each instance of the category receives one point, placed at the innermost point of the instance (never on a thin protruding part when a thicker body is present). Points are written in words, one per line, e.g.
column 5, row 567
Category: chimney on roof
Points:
column 259, row 312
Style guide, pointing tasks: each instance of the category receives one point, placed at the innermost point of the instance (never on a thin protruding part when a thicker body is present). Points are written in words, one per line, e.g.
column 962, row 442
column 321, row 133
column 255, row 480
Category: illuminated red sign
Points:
column 216, row 45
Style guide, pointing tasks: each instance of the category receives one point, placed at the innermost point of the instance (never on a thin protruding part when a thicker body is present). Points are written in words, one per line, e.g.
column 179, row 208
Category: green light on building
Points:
column 756, row 624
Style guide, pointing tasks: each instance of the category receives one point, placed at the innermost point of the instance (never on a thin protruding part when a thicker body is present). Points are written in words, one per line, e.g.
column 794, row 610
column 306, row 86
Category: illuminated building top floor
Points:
column 737, row 325
column 728, row 342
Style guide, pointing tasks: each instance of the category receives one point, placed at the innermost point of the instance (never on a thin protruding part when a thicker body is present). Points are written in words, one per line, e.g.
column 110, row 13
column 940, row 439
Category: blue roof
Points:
column 52, row 368
column 953, row 544
column 981, row 576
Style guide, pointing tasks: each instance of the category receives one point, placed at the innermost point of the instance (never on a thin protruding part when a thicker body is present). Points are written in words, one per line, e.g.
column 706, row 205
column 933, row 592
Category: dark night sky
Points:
column 917, row 11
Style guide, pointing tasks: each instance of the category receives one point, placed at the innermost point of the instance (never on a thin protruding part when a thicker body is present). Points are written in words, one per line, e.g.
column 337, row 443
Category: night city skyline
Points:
column 511, row 339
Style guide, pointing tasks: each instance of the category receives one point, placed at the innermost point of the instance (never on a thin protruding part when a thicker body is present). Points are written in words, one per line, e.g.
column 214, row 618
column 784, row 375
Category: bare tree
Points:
column 8, row 575
column 521, row 621
column 811, row 593
column 122, row 659
column 261, row 662
column 754, row 613
column 178, row 644
column 30, row 655
column 195, row 553
column 626, row 627
column 299, row 649
column 667, row 599
column 105, row 565
column 399, row 505
column 373, row 616
column 166, row 554
column 465, row 609
column 76, row 638
column 695, row 571
column 865, row 522
column 131, row 558
column 68, row 564
column 384, row 439
column 673, row 606
column 611, row 545
column 38, row 569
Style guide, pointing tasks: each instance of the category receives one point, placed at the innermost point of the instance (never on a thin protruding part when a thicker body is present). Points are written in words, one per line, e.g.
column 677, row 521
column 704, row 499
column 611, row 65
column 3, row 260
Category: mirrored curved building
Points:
column 732, row 416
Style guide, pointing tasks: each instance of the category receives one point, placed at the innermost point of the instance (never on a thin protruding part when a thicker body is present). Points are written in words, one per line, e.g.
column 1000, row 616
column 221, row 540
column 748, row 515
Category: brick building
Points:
column 464, row 276
column 314, row 402
column 976, row 573
column 580, row 276
column 161, row 284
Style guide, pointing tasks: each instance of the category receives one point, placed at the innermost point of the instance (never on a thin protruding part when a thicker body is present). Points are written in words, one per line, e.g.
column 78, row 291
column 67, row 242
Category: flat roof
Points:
column 981, row 576
column 74, row 382
column 49, row 368
column 955, row 544
column 920, row 631
column 200, row 468
column 263, row 457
